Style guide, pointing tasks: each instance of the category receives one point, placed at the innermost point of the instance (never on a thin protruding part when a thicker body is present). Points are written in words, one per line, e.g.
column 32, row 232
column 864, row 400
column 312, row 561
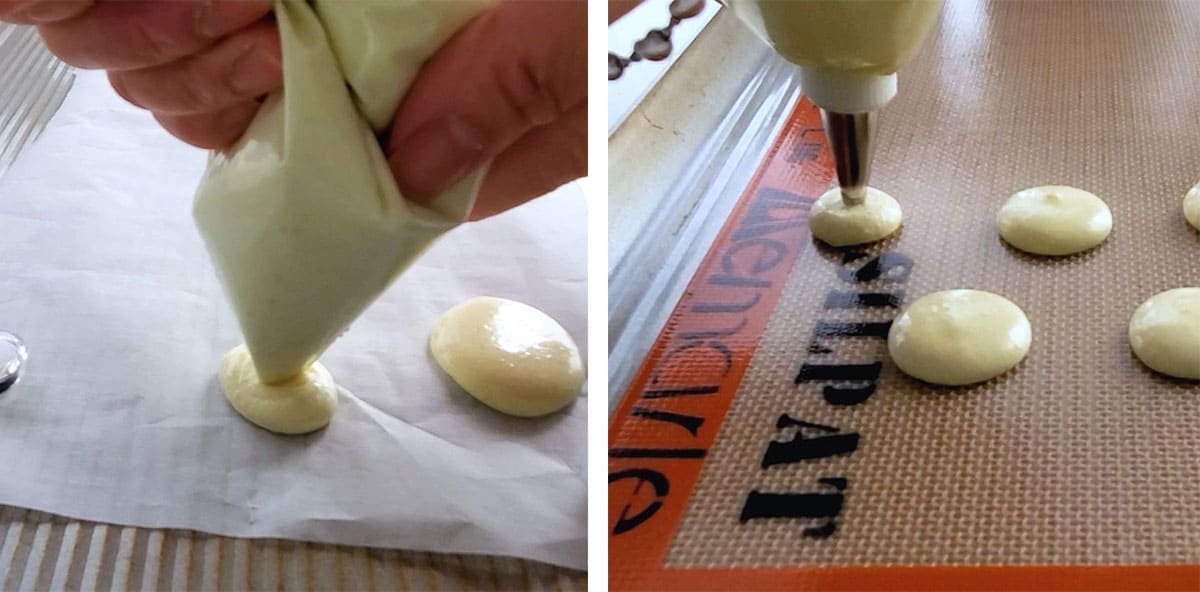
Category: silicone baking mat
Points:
column 769, row 442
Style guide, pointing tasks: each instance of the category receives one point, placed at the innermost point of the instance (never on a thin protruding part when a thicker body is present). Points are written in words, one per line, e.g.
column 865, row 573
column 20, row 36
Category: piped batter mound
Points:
column 1054, row 220
column 1191, row 206
column 304, row 238
column 301, row 404
column 837, row 223
column 959, row 337
column 1165, row 333
column 510, row 356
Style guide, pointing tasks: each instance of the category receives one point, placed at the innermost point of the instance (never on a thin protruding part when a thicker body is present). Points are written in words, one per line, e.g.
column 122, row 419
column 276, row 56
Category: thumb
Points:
column 512, row 80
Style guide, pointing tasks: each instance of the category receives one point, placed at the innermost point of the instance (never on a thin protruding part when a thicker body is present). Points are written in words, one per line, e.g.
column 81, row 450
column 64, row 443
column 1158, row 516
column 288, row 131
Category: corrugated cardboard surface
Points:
column 33, row 84
column 1080, row 455
column 40, row 551
column 43, row 552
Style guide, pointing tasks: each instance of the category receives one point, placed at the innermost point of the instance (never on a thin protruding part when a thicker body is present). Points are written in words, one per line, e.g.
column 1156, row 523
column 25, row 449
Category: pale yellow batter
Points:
column 1054, row 220
column 1191, row 206
column 305, row 236
column 510, row 356
column 959, row 337
column 1165, row 332
column 302, row 404
column 848, row 51
column 875, row 36
column 833, row 221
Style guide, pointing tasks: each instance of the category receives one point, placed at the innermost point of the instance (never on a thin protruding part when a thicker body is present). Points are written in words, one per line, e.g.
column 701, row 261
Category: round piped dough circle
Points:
column 1165, row 332
column 959, row 337
column 833, row 221
column 302, row 404
column 1191, row 206
column 1054, row 220
column 512, row 357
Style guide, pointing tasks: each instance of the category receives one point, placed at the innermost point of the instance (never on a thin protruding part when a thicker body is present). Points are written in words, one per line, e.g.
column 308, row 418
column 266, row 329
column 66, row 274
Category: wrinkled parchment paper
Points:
column 119, row 418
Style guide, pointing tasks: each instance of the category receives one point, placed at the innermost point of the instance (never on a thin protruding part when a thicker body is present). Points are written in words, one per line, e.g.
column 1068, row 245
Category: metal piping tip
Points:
column 850, row 139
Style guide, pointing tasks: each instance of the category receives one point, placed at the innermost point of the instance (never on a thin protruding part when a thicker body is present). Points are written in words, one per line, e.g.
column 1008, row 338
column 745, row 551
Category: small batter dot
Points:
column 1054, row 220
column 837, row 223
column 959, row 337
column 510, row 356
column 1165, row 333
column 301, row 404
column 1191, row 206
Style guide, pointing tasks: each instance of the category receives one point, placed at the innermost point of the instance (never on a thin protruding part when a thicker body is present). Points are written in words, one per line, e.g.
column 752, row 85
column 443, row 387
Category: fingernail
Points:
column 212, row 21
column 205, row 20
column 49, row 12
column 254, row 72
column 434, row 156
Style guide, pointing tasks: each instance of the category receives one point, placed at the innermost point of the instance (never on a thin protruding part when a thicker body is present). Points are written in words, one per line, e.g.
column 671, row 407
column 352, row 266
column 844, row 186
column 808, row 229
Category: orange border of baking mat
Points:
column 705, row 349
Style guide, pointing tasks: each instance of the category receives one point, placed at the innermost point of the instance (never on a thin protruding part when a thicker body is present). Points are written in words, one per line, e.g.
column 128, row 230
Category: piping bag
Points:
column 848, row 52
column 302, row 217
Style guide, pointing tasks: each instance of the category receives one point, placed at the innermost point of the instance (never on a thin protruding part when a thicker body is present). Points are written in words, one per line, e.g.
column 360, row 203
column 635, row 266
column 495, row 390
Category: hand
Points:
column 509, row 88
column 197, row 65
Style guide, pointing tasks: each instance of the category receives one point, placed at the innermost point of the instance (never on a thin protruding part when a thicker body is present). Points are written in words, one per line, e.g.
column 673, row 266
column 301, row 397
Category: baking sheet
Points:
column 118, row 417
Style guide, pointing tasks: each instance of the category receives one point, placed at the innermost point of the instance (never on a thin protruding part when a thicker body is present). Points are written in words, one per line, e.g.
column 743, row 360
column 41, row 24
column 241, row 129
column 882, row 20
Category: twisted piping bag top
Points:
column 302, row 216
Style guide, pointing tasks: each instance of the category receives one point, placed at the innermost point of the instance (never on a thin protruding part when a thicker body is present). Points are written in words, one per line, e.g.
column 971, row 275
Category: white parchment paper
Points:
column 119, row 418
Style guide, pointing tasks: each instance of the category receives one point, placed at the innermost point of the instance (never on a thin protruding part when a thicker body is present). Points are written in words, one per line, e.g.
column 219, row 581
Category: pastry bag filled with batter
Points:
column 302, row 216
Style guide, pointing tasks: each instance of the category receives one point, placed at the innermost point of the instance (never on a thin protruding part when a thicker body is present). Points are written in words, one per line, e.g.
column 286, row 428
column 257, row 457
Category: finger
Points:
column 537, row 163
column 215, row 129
column 34, row 12
column 142, row 33
column 525, row 66
column 242, row 66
